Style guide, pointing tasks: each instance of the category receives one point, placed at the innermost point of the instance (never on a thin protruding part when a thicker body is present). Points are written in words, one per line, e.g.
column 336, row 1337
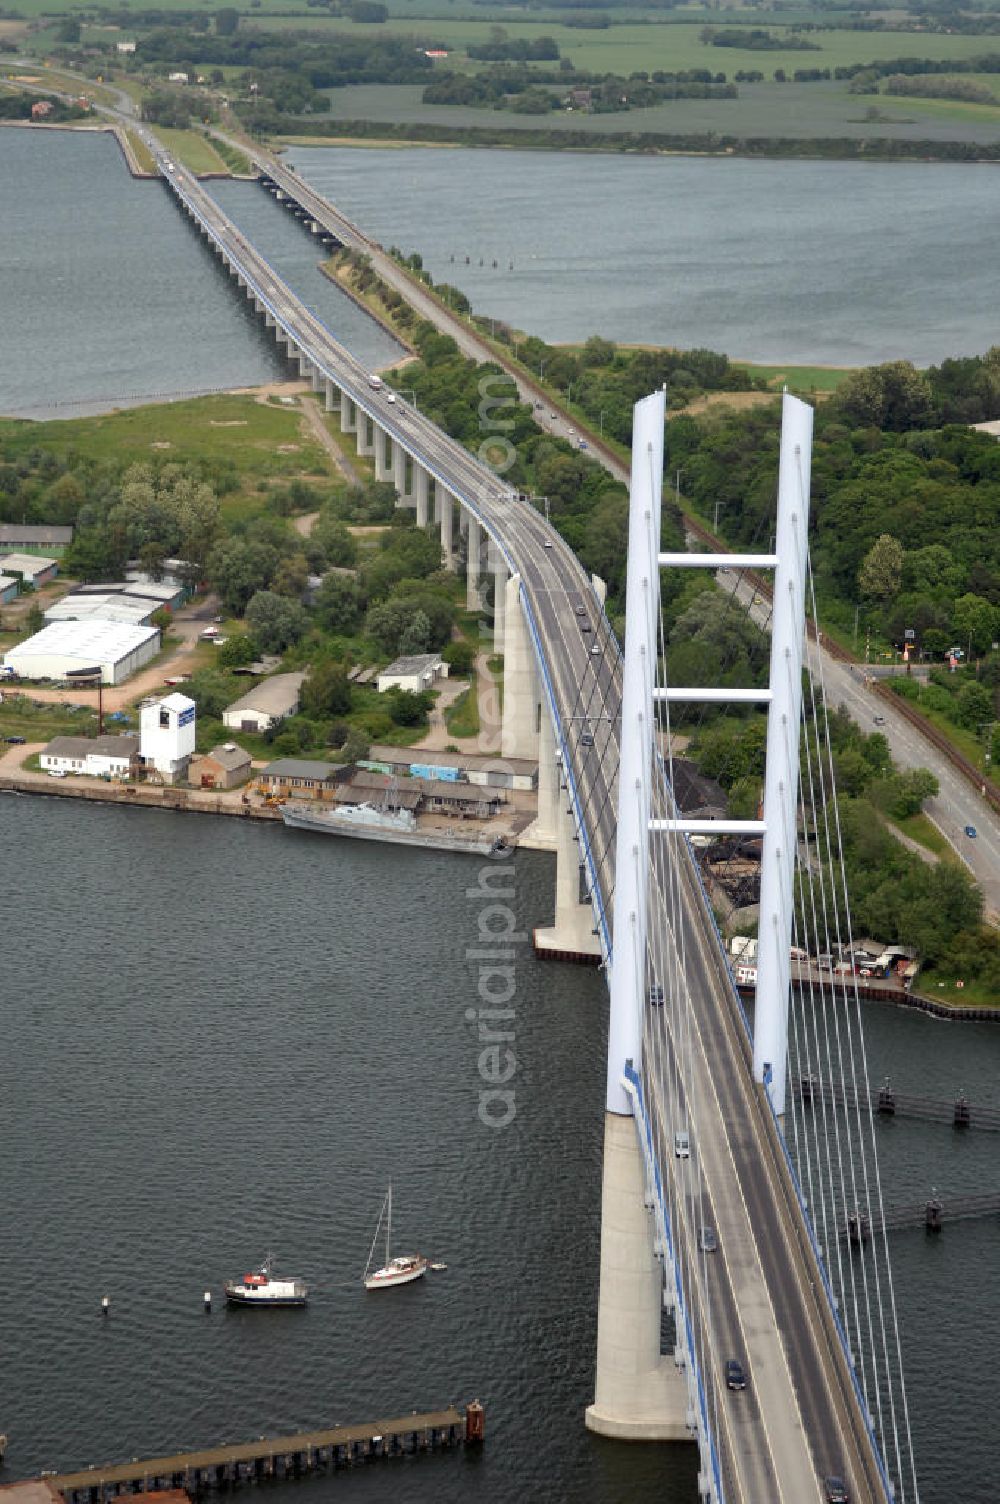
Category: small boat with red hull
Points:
column 263, row 1287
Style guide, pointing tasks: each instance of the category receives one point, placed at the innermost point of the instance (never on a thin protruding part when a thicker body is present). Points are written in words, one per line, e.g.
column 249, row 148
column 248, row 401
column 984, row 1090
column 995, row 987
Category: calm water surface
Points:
column 222, row 1038
column 107, row 295
column 816, row 262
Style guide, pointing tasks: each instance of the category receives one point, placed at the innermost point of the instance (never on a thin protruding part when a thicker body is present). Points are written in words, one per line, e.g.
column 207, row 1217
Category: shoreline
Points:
column 880, row 151
column 179, row 798
column 243, row 804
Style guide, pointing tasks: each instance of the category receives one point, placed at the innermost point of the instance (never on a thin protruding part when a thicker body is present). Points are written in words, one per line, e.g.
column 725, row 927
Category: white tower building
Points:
column 166, row 735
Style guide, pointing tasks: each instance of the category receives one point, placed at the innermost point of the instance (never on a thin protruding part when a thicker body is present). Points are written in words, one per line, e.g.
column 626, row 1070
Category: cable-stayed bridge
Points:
column 721, row 1202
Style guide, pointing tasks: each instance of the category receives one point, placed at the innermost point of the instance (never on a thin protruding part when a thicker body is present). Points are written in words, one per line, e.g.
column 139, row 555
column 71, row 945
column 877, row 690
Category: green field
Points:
column 798, row 378
column 648, row 45
column 192, row 148
column 786, row 111
column 250, row 438
column 462, row 718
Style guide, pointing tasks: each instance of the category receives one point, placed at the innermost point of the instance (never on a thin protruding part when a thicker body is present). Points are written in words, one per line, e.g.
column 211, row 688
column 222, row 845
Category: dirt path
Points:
column 486, row 742
column 304, row 525
column 314, row 422
column 438, row 736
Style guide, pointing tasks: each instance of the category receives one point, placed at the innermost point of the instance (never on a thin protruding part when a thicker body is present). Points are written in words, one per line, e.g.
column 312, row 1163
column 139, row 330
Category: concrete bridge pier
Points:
column 332, row 393
column 421, row 489
column 383, row 468
column 541, row 834
column 447, row 504
column 474, row 543
column 571, row 937
column 640, row 1395
column 399, row 471
column 519, row 728
column 367, row 434
column 317, row 379
column 348, row 414
column 498, row 569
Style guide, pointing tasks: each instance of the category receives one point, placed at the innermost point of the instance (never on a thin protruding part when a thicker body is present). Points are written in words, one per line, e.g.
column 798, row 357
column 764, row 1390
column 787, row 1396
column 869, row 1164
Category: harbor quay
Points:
column 267, row 795
column 187, row 1474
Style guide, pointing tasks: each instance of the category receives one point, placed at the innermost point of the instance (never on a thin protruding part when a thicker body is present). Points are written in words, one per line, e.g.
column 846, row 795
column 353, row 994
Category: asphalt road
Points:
column 956, row 805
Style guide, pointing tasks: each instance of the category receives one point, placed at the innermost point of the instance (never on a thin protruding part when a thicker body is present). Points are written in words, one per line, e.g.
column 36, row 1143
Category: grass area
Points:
column 942, row 989
column 462, row 718
column 193, row 149
column 921, row 829
column 143, row 155
column 808, row 379
column 651, row 43
column 39, row 721
column 234, row 159
column 254, row 440
column 767, row 110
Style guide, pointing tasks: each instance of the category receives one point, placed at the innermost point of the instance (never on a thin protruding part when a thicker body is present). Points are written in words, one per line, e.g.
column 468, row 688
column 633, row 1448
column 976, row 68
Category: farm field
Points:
column 653, row 44
column 800, row 111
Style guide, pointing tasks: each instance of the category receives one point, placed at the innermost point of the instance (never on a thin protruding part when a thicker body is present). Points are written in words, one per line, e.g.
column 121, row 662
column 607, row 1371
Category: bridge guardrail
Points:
column 633, row 1086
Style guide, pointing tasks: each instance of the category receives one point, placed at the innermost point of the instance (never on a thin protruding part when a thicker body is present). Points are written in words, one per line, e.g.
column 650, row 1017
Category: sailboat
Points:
column 400, row 1270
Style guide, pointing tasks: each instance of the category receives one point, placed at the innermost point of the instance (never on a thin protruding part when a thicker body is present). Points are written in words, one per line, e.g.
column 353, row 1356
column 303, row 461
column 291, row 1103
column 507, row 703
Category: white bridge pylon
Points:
column 640, row 1393
column 783, row 699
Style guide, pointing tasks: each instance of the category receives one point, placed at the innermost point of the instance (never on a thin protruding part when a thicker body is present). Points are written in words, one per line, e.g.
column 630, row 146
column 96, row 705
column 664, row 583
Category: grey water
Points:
column 108, row 297
column 839, row 263
column 222, row 1038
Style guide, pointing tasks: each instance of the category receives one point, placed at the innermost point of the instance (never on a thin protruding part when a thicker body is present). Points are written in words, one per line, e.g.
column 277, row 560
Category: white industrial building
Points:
column 266, row 704
column 117, row 649
column 31, row 569
column 167, row 735
column 415, row 673
column 84, row 606
column 95, row 756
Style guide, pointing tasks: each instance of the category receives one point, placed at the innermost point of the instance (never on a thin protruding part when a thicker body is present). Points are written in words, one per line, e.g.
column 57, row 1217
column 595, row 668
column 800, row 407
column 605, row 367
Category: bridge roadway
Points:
column 762, row 1298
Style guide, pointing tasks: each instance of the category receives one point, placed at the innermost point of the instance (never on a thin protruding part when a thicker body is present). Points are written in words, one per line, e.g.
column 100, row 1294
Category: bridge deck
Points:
column 451, row 1420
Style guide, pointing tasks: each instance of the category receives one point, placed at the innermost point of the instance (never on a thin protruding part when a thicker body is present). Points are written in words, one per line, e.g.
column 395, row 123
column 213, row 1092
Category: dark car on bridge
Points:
column 736, row 1374
column 835, row 1491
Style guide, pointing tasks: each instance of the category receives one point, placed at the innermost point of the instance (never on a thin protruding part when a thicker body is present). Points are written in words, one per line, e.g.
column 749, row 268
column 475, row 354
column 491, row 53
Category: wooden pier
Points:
column 275, row 1457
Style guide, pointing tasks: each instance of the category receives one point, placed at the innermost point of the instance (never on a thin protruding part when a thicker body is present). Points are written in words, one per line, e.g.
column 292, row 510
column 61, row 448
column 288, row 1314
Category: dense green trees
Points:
column 905, row 498
column 274, row 621
column 326, row 691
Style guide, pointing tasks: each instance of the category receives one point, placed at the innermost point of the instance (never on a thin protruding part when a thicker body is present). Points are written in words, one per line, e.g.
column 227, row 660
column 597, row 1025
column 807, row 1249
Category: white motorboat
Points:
column 402, row 1269
column 263, row 1287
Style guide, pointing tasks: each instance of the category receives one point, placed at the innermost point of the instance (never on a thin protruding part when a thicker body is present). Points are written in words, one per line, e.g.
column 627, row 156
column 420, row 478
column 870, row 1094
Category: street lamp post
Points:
column 407, row 391
column 602, row 422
